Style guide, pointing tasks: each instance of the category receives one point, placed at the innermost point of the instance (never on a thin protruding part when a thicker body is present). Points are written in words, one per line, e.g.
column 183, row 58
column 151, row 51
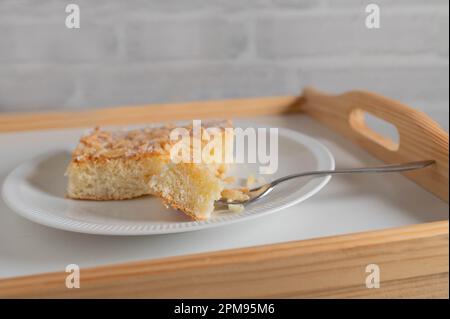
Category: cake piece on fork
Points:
column 188, row 187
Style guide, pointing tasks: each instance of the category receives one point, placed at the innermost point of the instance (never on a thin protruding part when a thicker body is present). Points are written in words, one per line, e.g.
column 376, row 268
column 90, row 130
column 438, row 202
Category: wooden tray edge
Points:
column 325, row 267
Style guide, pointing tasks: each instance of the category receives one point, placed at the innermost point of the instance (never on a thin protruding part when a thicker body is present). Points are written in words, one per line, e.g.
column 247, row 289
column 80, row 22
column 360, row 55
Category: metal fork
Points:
column 259, row 192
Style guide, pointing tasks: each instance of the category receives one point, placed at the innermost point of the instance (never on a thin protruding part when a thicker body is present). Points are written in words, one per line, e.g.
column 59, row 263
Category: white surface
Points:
column 36, row 190
column 352, row 203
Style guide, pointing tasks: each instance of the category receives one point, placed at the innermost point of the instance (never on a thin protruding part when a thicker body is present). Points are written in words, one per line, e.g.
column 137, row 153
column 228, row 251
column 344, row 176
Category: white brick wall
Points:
column 209, row 38
column 148, row 51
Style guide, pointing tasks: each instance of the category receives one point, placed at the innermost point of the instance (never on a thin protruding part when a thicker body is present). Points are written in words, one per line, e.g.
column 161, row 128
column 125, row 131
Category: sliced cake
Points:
column 119, row 165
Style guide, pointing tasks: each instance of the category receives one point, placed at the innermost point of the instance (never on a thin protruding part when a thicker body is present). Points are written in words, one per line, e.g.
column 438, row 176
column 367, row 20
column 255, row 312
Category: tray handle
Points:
column 420, row 138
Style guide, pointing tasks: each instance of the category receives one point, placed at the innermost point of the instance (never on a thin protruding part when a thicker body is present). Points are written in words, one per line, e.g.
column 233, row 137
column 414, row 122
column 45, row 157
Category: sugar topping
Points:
column 100, row 144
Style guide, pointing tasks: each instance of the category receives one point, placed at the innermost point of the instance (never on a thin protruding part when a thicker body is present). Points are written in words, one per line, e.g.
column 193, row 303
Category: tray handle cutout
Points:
column 375, row 129
column 420, row 138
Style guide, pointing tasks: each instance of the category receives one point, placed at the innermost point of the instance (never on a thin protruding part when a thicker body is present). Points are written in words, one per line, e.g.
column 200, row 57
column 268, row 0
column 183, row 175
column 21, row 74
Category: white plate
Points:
column 36, row 190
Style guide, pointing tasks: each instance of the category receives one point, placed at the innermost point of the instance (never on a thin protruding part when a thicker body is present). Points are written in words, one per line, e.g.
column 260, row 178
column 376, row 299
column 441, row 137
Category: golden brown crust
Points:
column 104, row 145
column 100, row 145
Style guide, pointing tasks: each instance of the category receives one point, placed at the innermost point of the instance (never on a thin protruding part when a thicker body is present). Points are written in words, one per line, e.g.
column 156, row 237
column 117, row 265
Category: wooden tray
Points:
column 414, row 258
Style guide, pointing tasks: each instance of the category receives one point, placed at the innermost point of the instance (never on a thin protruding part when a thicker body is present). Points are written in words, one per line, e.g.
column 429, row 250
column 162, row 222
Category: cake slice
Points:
column 119, row 165
column 188, row 187
column 116, row 165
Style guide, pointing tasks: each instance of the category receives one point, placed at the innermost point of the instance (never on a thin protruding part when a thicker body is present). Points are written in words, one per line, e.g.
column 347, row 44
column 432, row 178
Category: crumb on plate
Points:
column 235, row 208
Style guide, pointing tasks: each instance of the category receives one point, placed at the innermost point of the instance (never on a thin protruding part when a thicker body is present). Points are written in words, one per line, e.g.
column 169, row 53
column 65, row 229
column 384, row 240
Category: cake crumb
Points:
column 250, row 180
column 235, row 208
column 232, row 195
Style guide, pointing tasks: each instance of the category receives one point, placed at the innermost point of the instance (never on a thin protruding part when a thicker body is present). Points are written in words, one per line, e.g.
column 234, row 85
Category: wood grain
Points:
column 413, row 259
column 13, row 122
column 413, row 262
column 420, row 137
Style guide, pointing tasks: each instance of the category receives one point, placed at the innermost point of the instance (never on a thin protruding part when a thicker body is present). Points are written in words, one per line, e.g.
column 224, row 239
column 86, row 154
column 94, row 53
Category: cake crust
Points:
column 102, row 145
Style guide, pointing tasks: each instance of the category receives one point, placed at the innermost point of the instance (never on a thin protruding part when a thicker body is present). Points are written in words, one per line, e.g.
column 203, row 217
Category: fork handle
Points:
column 391, row 168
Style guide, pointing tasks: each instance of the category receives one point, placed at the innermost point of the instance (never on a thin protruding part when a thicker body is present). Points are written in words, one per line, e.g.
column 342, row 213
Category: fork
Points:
column 259, row 192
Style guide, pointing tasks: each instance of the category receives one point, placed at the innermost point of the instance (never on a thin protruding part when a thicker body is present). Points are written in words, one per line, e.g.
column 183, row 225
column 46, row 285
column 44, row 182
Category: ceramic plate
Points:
column 36, row 190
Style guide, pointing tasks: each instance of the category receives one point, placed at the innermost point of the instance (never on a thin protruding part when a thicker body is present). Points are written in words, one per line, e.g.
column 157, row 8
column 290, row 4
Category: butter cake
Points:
column 119, row 165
